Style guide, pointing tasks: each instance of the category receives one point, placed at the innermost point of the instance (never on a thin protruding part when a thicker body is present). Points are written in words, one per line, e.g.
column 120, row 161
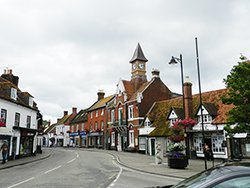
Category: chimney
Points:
column 10, row 77
column 65, row 113
column 155, row 73
column 188, row 98
column 74, row 110
column 100, row 94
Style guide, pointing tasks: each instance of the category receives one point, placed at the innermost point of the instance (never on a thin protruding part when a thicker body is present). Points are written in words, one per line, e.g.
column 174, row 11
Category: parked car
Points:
column 227, row 175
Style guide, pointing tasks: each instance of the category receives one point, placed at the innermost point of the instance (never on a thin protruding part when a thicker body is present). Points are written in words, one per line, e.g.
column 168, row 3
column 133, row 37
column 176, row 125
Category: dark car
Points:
column 227, row 175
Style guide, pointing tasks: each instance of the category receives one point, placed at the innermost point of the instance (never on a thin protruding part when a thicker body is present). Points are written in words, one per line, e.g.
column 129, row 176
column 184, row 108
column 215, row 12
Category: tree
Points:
column 238, row 84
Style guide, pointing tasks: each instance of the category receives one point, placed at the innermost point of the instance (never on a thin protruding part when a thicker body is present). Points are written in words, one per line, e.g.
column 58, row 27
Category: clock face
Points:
column 134, row 66
column 141, row 66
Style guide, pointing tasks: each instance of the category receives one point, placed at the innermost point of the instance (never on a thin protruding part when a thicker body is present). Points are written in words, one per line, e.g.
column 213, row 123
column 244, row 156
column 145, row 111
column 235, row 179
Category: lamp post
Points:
column 202, row 121
column 175, row 60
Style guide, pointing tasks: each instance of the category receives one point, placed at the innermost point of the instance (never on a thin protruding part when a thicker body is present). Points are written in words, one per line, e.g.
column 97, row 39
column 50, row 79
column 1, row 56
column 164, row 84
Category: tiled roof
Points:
column 63, row 120
column 81, row 116
column 128, row 88
column 22, row 97
column 50, row 128
column 101, row 103
column 211, row 99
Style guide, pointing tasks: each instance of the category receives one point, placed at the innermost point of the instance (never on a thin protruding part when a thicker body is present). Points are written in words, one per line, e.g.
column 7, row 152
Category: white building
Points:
column 18, row 123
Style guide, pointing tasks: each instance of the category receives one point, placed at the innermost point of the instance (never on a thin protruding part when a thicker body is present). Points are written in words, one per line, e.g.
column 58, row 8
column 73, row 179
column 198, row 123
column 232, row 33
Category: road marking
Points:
column 71, row 160
column 117, row 177
column 21, row 182
column 77, row 155
column 53, row 169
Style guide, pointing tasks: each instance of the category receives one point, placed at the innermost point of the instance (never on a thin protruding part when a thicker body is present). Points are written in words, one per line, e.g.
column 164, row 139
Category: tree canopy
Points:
column 238, row 84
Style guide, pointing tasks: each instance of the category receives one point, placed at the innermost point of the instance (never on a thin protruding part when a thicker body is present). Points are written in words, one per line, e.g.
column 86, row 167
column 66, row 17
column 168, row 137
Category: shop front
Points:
column 27, row 141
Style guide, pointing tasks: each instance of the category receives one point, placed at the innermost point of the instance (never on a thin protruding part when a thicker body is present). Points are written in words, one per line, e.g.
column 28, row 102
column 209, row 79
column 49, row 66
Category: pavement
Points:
column 135, row 161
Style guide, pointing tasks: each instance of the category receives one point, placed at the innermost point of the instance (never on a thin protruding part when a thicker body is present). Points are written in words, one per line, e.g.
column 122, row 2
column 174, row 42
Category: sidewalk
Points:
column 146, row 163
column 45, row 154
column 136, row 161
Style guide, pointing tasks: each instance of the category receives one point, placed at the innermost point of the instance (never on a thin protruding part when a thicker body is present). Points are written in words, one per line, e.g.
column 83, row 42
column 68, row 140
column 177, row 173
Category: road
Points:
column 78, row 168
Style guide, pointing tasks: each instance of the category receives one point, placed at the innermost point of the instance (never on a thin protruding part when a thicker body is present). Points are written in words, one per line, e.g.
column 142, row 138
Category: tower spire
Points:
column 138, row 54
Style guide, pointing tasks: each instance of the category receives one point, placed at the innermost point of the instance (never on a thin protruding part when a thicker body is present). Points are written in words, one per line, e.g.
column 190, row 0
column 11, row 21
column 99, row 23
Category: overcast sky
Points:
column 64, row 51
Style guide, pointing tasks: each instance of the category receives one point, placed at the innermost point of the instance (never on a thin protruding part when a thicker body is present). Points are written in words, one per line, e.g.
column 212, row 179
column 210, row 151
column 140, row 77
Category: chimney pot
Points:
column 74, row 110
column 100, row 94
column 155, row 73
column 65, row 113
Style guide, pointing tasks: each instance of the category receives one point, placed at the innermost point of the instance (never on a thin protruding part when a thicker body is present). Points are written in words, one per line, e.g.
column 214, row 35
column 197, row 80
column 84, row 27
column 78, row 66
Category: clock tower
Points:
column 138, row 63
column 138, row 67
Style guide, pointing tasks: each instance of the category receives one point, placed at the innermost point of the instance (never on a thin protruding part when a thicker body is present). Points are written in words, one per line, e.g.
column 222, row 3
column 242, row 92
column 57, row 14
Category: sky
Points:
column 64, row 51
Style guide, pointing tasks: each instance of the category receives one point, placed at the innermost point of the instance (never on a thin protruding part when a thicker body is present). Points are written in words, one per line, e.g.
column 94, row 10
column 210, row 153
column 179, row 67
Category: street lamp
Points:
column 175, row 60
column 199, row 80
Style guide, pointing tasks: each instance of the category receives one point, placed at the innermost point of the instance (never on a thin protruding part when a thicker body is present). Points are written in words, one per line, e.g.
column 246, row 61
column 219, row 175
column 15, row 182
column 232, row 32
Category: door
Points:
column 236, row 149
column 153, row 146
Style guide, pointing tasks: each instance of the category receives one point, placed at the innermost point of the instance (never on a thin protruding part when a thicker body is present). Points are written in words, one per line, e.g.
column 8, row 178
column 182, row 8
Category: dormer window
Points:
column 209, row 111
column 172, row 121
column 31, row 101
column 206, row 118
column 147, row 123
column 13, row 93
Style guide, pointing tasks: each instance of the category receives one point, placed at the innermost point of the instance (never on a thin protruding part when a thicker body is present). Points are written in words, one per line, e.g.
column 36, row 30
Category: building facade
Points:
column 19, row 117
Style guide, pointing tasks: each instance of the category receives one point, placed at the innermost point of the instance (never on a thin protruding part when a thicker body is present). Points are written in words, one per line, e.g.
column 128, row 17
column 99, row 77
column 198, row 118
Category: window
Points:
column 17, row 119
column 206, row 118
column 131, row 138
column 3, row 118
column 130, row 112
column 147, row 123
column 113, row 139
column 142, row 143
column 172, row 121
column 91, row 115
column 198, row 144
column 28, row 121
column 13, row 94
column 217, row 142
column 96, row 125
column 120, row 116
column 102, row 125
column 235, row 182
column 96, row 113
column 30, row 101
column 113, row 116
column 102, row 112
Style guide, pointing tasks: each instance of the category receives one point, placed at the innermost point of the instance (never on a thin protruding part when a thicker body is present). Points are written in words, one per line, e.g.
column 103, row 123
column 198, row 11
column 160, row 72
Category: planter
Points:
column 179, row 161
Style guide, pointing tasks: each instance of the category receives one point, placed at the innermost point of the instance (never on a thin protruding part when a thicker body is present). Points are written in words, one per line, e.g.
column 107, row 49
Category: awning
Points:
column 240, row 135
column 120, row 128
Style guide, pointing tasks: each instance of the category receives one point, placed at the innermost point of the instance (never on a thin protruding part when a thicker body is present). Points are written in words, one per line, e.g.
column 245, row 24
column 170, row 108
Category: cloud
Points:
column 63, row 52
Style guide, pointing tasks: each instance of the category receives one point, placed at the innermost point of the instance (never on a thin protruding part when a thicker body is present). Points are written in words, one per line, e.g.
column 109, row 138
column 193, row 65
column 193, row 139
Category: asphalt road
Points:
column 75, row 169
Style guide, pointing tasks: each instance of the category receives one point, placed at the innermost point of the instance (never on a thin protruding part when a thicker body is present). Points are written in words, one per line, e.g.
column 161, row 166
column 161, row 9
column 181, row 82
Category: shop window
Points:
column 217, row 143
column 198, row 144
column 17, row 119
column 142, row 143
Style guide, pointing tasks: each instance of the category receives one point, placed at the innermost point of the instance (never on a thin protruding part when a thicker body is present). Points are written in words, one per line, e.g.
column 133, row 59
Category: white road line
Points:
column 53, row 169
column 117, row 177
column 77, row 155
column 21, row 182
column 71, row 160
